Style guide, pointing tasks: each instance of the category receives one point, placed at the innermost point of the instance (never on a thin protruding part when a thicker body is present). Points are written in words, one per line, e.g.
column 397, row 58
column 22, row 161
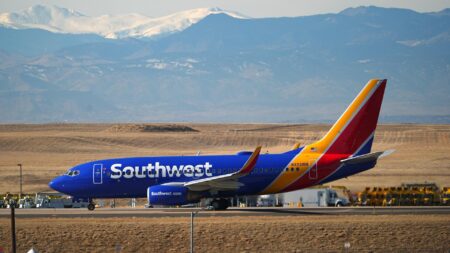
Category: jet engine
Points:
column 171, row 195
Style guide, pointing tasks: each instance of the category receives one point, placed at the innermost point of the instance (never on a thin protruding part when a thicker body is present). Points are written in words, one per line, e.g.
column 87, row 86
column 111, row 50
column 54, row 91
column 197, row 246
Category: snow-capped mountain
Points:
column 61, row 20
column 221, row 68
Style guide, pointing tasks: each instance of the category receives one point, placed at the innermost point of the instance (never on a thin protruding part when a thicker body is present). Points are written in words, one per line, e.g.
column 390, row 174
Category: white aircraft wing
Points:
column 226, row 181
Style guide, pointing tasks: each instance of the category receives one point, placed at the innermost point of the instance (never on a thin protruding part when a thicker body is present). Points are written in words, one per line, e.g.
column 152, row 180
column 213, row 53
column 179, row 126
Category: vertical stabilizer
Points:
column 353, row 131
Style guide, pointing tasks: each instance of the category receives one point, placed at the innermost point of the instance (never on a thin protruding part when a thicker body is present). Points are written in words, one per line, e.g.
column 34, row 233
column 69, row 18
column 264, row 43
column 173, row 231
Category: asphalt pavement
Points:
column 249, row 211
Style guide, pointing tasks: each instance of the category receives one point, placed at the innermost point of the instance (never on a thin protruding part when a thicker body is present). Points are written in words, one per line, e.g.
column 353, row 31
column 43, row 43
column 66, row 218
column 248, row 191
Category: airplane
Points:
column 345, row 150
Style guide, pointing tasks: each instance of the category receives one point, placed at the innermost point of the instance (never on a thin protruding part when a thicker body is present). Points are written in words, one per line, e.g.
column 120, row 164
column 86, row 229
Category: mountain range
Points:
column 61, row 20
column 58, row 65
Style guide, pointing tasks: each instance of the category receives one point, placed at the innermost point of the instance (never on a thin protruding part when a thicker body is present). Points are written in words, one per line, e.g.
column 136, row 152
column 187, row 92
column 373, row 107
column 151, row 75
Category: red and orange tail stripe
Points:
column 345, row 137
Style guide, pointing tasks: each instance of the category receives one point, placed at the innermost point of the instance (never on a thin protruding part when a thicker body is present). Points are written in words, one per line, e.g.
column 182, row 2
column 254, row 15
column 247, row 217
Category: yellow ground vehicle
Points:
column 392, row 197
column 362, row 197
column 445, row 196
column 431, row 197
column 416, row 194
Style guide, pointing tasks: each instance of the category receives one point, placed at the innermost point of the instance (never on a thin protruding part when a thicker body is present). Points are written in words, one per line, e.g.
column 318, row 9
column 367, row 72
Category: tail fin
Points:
column 353, row 131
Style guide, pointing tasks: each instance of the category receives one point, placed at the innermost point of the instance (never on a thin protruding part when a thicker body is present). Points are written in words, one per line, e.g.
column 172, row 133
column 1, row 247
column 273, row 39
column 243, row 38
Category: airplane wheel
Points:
column 224, row 204
column 215, row 205
column 91, row 207
column 219, row 204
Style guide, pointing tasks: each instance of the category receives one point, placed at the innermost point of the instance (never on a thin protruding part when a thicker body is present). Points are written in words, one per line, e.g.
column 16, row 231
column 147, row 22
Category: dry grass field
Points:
column 379, row 233
column 423, row 151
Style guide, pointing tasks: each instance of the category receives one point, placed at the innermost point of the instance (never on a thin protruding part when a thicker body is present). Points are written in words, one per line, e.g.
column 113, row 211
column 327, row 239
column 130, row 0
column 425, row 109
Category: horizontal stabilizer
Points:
column 367, row 157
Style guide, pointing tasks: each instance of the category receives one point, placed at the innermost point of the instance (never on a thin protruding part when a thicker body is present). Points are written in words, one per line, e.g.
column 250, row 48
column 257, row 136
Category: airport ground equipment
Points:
column 445, row 196
column 27, row 202
column 58, row 200
column 269, row 200
column 315, row 197
column 345, row 192
column 410, row 194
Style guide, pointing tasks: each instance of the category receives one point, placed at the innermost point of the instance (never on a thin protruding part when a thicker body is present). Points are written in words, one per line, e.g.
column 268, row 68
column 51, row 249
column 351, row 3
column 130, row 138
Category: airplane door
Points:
column 313, row 170
column 97, row 173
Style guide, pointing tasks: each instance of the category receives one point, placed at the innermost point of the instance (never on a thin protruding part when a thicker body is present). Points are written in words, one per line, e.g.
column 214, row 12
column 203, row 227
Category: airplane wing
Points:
column 226, row 181
column 367, row 157
column 296, row 146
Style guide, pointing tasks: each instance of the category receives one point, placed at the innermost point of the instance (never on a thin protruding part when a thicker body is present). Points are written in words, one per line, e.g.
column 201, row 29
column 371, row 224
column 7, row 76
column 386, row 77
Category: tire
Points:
column 338, row 204
column 224, row 204
column 91, row 207
column 215, row 205
column 219, row 204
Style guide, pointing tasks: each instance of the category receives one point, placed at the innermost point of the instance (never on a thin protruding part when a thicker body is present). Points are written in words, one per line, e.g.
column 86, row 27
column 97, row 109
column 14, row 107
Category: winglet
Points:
column 296, row 146
column 251, row 162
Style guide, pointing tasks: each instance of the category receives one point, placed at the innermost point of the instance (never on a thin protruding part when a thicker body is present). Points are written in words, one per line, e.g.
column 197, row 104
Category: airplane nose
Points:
column 51, row 184
column 56, row 184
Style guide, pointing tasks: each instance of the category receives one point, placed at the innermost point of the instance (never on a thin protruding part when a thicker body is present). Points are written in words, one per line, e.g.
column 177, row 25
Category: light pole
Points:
column 20, row 167
column 13, row 225
column 192, row 231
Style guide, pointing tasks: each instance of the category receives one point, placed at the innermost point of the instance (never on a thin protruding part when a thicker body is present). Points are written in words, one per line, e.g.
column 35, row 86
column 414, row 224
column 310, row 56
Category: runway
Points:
column 183, row 212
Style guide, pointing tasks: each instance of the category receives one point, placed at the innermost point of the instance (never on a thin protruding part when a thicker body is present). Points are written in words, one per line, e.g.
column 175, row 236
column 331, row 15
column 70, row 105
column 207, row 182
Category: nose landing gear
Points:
column 91, row 205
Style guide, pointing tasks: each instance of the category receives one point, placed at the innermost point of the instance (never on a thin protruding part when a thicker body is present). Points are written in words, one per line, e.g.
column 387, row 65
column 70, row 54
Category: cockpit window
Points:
column 73, row 173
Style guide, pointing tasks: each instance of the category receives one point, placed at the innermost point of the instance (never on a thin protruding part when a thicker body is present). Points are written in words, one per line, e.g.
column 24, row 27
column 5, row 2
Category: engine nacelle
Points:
column 171, row 195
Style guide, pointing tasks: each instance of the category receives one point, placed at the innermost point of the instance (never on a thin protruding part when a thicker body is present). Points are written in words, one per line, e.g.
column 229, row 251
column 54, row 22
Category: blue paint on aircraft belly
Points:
column 348, row 170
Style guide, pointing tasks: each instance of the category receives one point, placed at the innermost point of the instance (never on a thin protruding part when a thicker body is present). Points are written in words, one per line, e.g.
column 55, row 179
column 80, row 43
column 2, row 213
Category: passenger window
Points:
column 287, row 169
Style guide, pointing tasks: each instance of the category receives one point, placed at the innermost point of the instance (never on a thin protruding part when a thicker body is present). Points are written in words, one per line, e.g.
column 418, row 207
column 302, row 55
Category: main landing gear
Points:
column 219, row 204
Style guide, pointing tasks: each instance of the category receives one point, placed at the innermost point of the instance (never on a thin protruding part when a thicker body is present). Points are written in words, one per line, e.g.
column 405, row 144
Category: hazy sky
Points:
column 252, row 8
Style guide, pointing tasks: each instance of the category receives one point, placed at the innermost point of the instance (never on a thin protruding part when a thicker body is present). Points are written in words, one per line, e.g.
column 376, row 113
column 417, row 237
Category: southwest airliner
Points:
column 178, row 180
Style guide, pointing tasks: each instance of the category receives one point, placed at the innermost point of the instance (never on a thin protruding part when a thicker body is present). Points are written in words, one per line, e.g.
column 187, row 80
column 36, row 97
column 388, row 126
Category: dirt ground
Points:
column 371, row 233
column 422, row 151
column 423, row 154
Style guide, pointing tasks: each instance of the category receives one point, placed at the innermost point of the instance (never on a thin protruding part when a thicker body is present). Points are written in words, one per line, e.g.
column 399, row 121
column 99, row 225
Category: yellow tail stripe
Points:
column 312, row 152
column 337, row 128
